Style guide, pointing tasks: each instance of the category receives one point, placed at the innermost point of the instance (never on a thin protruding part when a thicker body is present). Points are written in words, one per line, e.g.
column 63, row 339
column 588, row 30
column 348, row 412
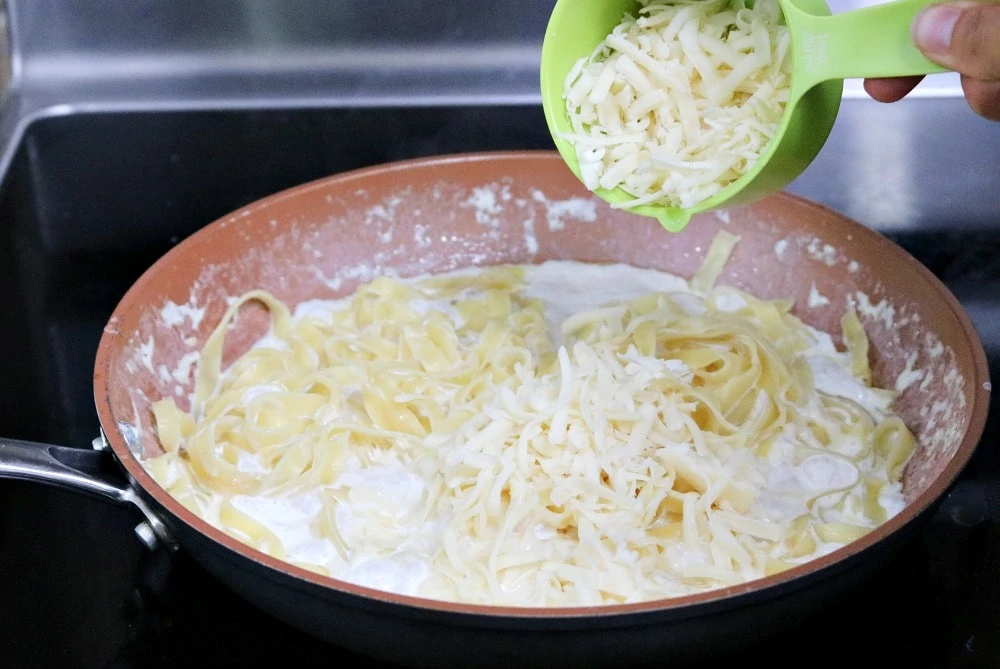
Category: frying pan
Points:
column 321, row 239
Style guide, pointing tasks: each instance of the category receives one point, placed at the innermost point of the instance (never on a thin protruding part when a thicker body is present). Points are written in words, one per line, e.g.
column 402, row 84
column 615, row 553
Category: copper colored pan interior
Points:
column 321, row 239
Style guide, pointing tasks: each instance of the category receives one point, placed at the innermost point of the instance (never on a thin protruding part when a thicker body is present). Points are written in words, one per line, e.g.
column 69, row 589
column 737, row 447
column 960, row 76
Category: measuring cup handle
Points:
column 869, row 42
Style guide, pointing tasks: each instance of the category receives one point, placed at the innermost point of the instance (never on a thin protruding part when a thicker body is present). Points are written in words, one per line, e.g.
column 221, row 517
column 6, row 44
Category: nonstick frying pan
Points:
column 321, row 239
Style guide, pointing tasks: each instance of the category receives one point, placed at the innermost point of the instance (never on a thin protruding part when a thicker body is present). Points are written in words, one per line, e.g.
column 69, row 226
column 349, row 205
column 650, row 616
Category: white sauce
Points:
column 385, row 490
column 174, row 314
column 779, row 247
column 891, row 499
column 729, row 302
column 567, row 287
column 817, row 299
column 256, row 391
column 557, row 211
column 834, row 380
column 320, row 310
column 403, row 576
column 825, row 472
column 290, row 519
column 909, row 376
column 249, row 463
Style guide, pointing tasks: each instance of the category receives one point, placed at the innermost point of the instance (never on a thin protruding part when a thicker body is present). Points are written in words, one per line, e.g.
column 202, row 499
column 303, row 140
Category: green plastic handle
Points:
column 869, row 42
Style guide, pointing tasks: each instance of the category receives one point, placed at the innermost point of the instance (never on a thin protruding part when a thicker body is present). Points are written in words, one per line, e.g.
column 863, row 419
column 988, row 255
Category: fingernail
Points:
column 933, row 27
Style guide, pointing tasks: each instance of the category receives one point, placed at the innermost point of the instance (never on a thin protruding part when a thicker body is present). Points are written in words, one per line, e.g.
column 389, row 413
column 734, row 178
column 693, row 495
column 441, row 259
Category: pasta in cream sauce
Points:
column 549, row 435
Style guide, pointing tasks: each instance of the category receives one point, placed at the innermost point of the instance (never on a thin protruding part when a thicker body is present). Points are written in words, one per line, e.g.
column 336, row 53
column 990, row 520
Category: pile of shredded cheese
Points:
column 680, row 101
column 461, row 438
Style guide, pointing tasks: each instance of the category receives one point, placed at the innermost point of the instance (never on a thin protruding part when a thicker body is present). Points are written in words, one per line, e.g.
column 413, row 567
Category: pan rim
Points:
column 683, row 606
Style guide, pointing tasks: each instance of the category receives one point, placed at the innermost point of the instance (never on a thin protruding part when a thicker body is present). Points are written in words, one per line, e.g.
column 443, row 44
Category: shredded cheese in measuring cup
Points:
column 680, row 101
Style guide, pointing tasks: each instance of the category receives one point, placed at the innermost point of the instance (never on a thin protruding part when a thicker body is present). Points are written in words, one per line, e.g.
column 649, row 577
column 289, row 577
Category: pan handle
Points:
column 78, row 470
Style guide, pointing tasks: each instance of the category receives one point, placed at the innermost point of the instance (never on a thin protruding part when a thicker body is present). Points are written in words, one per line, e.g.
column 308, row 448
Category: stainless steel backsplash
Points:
column 925, row 162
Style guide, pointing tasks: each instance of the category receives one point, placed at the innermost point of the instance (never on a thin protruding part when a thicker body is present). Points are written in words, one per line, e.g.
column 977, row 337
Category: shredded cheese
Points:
column 681, row 100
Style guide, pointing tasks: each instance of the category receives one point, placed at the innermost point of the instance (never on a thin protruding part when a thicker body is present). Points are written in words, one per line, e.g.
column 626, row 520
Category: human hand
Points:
column 964, row 37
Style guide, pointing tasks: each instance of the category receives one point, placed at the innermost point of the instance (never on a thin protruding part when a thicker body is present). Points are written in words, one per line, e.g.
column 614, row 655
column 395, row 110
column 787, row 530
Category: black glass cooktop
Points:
column 92, row 200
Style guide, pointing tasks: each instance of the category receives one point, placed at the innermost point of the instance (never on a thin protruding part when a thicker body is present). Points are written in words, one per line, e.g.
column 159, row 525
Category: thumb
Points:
column 962, row 36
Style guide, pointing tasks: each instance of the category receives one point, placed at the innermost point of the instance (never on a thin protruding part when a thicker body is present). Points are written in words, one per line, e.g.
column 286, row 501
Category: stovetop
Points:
column 90, row 201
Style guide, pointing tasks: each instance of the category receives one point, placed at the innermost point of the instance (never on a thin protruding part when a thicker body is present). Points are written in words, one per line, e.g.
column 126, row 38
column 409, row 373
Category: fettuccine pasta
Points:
column 478, row 437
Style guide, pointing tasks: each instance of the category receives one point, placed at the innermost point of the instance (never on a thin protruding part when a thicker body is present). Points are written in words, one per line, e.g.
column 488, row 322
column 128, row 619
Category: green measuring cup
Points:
column 826, row 49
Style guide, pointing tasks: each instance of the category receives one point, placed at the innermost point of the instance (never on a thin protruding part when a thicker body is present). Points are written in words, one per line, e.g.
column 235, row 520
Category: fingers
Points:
column 890, row 90
column 983, row 97
column 962, row 36
column 965, row 37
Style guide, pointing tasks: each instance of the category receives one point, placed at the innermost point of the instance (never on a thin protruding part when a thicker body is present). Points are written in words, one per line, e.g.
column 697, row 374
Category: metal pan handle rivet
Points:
column 147, row 535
